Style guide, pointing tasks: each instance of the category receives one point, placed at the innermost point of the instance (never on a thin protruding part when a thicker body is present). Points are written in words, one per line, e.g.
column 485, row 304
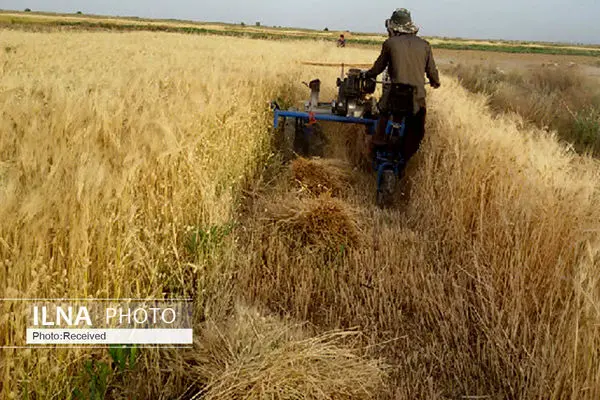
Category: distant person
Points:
column 408, row 58
column 341, row 42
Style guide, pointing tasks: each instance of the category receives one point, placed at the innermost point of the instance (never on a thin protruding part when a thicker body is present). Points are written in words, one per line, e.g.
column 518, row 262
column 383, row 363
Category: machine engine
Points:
column 353, row 95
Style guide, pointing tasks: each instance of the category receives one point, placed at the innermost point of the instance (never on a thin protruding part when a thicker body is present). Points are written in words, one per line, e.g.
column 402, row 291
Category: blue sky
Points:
column 543, row 20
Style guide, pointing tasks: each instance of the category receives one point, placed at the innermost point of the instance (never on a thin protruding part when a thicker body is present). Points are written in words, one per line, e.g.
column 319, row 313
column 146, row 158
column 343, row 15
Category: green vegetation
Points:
column 203, row 241
column 586, row 128
column 97, row 376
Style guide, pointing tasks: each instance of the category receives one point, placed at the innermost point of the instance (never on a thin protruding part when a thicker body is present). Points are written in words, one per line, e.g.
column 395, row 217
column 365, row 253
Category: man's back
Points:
column 408, row 58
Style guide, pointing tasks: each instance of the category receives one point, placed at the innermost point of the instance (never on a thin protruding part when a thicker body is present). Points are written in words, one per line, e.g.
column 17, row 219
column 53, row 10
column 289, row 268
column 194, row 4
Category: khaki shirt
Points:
column 408, row 58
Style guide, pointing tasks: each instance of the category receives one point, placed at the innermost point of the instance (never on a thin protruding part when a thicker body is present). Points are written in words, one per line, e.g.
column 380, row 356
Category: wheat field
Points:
column 119, row 150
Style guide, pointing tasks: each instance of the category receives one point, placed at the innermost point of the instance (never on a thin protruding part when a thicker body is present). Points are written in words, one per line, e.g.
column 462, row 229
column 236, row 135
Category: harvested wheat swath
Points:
column 323, row 222
column 258, row 357
column 322, row 175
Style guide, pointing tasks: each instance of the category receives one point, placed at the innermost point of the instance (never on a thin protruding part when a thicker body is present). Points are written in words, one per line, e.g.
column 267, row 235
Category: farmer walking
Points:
column 407, row 58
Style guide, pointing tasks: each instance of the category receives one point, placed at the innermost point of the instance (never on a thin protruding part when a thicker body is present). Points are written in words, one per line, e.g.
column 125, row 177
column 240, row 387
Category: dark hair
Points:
column 342, row 35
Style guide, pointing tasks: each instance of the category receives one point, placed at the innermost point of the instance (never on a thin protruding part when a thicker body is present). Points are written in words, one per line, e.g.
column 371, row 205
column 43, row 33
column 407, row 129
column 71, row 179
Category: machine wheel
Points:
column 309, row 140
column 288, row 139
column 317, row 141
column 299, row 138
column 285, row 137
column 387, row 189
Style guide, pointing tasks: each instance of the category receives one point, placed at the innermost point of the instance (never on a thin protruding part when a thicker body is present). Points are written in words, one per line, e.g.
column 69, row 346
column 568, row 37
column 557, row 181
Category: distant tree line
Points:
column 29, row 10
